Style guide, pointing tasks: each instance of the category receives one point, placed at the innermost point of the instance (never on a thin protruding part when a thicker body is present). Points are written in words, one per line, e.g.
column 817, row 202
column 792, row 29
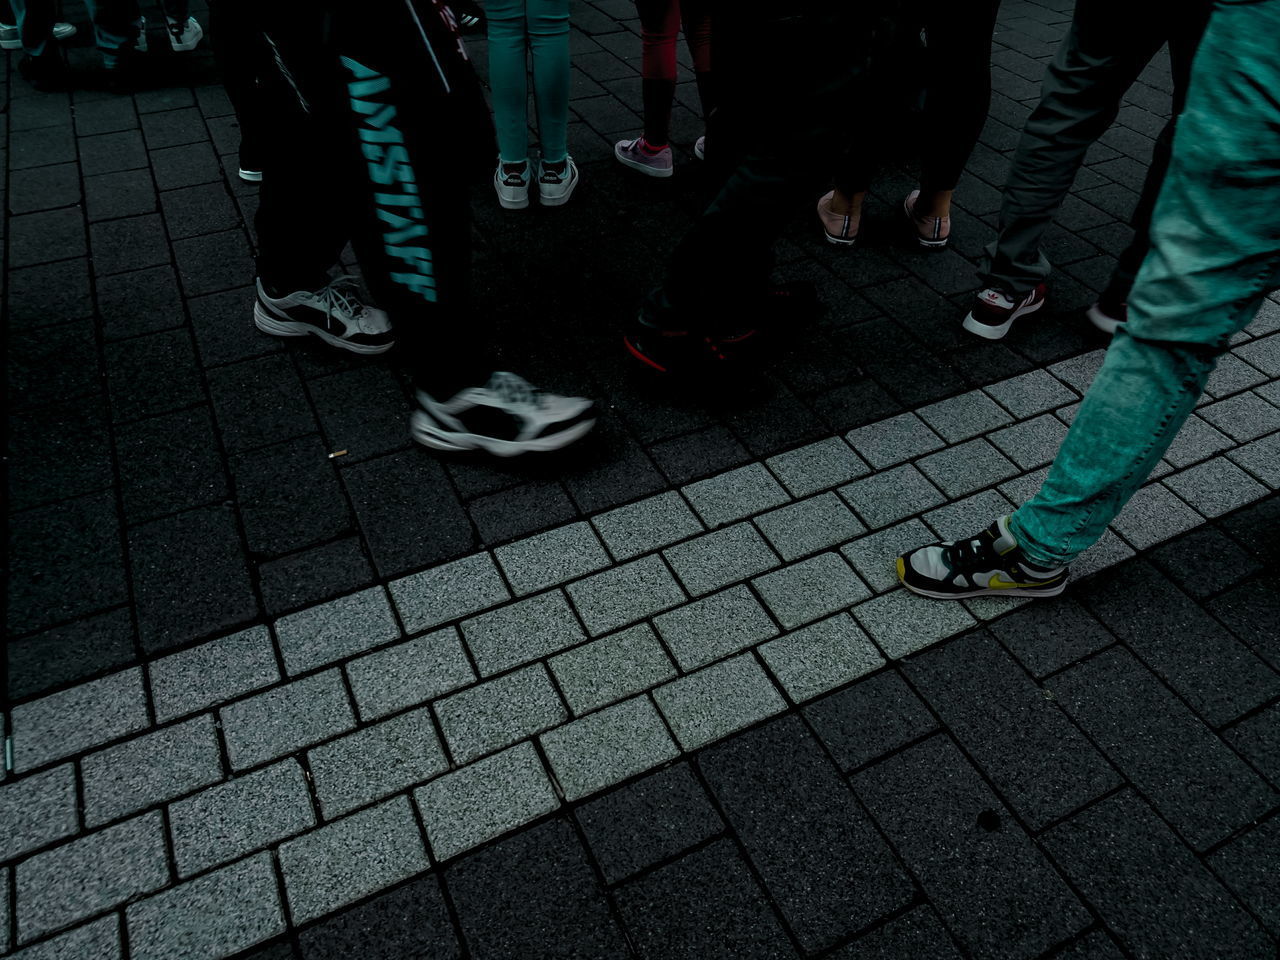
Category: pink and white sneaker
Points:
column 994, row 313
column 638, row 155
column 840, row 229
column 931, row 232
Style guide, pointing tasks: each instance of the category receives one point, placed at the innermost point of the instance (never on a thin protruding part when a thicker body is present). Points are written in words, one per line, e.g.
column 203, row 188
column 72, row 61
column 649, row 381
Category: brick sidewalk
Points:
column 249, row 686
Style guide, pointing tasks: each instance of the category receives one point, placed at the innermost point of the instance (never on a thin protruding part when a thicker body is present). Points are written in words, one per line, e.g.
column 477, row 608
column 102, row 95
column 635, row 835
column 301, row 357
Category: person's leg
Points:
column 116, row 27
column 243, row 58
column 509, row 77
column 659, row 25
column 34, row 20
column 695, row 16
column 548, row 26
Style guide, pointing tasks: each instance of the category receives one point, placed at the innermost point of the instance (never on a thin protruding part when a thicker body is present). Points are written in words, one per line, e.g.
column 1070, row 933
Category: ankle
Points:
column 517, row 168
column 933, row 205
column 846, row 205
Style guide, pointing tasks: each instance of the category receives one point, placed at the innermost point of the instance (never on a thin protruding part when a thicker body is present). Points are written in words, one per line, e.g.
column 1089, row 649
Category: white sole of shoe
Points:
column 932, row 244
column 659, row 172
column 250, row 176
column 1011, row 592
column 1106, row 324
column 988, row 332
column 425, row 432
column 279, row 326
column 507, row 203
column 840, row 241
column 10, row 44
column 558, row 200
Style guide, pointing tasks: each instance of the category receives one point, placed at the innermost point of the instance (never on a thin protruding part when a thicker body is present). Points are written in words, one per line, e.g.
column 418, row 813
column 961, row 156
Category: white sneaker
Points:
column 334, row 313
column 63, row 31
column 505, row 417
column 140, row 43
column 512, row 188
column 184, row 36
column 250, row 176
column 11, row 39
column 700, row 148
column 638, row 155
column 555, row 189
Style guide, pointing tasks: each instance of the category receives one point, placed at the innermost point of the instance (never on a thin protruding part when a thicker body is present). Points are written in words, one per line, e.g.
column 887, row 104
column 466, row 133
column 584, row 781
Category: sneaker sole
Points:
column 424, row 431
column 1106, row 324
column 989, row 332
column 840, row 241
column 250, row 176
column 10, row 44
column 507, row 204
column 282, row 327
column 558, row 201
column 661, row 173
column 984, row 592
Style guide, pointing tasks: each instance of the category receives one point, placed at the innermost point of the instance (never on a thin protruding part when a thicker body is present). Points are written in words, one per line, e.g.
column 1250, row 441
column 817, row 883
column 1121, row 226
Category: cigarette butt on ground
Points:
column 337, row 453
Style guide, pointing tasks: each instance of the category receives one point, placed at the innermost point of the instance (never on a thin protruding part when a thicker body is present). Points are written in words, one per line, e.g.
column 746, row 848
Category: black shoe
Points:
column 48, row 72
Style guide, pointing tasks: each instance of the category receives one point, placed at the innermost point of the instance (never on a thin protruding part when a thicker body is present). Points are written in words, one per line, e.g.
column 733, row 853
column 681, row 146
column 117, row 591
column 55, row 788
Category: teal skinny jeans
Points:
column 1215, row 253
column 516, row 29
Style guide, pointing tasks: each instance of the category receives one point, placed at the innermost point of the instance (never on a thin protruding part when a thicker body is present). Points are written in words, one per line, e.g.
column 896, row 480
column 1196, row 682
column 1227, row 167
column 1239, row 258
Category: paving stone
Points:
column 1149, row 889
column 240, row 816
column 1232, row 375
column 150, row 770
column 128, row 244
column 551, row 558
column 810, row 589
column 894, row 495
column 1029, row 394
column 258, row 402
column 152, row 374
column 622, row 473
column 964, row 518
column 962, row 469
column 1205, row 562
column 873, row 555
column 313, row 575
column 714, row 627
column 649, row 524
column 993, row 888
column 169, row 463
column 497, row 713
column 698, row 454
column 1153, row 515
column 718, row 700
column 483, row 800
column 1078, row 372
column 1215, row 487
column 351, row 858
column 516, row 634
column 534, row 894
column 895, row 440
column 901, row 622
column 125, row 193
column 51, row 293
column 809, row 525
column 409, row 673
column 1032, row 443
column 449, row 591
column 1257, row 739
column 1261, row 458
column 44, row 188
column 214, row 261
column 54, row 726
column 36, row 811
column 608, row 746
column 213, row 916
column 706, row 906
column 284, row 719
column 1245, row 416
column 1248, row 611
column 647, row 821
column 1050, row 635
column 1247, row 866
column 46, row 236
column 869, row 719
column 611, row 668
column 105, row 116
column 55, row 364
column 720, row 558
column 69, row 654
column 409, row 921
column 362, row 411
column 816, row 850
column 184, row 166
column 734, row 495
column 332, row 631
column 100, row 940
column 914, row 934
column 817, row 466
column 212, row 673
column 1203, row 789
column 1263, row 353
column 4, row 908
column 90, row 875
column 964, row 417
column 820, row 657
column 521, row 510
column 1196, row 441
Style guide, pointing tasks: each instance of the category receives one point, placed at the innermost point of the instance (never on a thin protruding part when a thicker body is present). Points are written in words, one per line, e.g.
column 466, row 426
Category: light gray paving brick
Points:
column 552, row 558
column 448, row 592
column 240, row 816
column 625, row 594
column 409, row 673
column 516, row 634
column 1021, row 489
column 150, row 770
column 1153, row 515
column 1078, row 372
column 1263, row 353
column 1030, row 393
column 646, row 525
column 885, row 498
column 989, row 607
column 99, row 940
column 212, row 673
column 37, row 810
column 810, row 589
column 821, row 657
column 714, row 627
column 1196, row 441
column 1262, row 459
column 1269, row 392
column 285, row 719
column 1268, row 318
column 499, row 712
column 968, row 467
column 965, row 417
column 809, row 526
column 817, row 466
column 717, row 559
column 331, row 631
column 376, row 762
column 1232, row 375
column 1107, row 552
column 1032, row 443
column 718, row 700
column 1068, row 413
column 873, row 555
column 607, row 747
column 1246, row 416
column 611, row 668
column 895, row 440
column 735, row 494
column 351, row 858
column 213, row 916
column 77, row 719
column 485, row 799
column 1215, row 487
column 901, row 623
column 89, row 875
column 965, row 518
column 4, row 909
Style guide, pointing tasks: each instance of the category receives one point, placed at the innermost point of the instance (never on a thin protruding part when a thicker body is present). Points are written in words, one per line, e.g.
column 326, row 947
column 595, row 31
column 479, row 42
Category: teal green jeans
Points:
column 1215, row 253
column 518, row 28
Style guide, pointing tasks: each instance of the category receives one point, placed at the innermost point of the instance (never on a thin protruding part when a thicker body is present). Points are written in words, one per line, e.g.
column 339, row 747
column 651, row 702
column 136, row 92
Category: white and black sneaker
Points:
column 334, row 313
column 184, row 35
column 506, row 417
column 989, row 564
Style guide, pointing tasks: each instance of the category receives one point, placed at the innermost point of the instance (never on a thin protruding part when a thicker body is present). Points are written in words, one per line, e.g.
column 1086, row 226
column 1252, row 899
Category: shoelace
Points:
column 964, row 556
column 514, row 389
column 342, row 296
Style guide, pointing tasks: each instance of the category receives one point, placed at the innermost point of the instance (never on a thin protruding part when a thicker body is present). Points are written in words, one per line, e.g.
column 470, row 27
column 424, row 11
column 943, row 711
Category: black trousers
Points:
column 376, row 126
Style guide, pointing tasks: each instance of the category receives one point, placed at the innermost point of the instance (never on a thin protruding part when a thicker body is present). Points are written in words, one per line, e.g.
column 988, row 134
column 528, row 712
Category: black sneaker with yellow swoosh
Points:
column 990, row 564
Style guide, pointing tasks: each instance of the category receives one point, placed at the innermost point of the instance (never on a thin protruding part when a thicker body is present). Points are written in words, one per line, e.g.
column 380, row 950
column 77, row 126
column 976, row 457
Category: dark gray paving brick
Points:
column 551, row 558
column 607, row 747
column 720, row 558
column 36, row 148
column 1215, row 487
column 142, row 301
column 1248, row 611
column 1257, row 739
column 521, row 510
column 362, row 411
column 313, row 575
column 192, row 211
column 152, row 374
column 105, row 116
column 53, row 365
column 810, row 589
column 70, row 653
column 1205, row 562
column 49, row 293
column 100, row 939
column 521, row 632
column 213, row 262
column 36, row 811
column 820, row 657
column 718, row 700
column 714, row 627
column 258, row 402
column 1247, row 866
column 993, row 888
column 171, row 128
column 89, row 875
column 818, row 853
column 495, row 714
column 215, row 915
column 169, row 463
column 54, row 726
column 240, row 816
column 128, row 244
column 1203, row 789
column 1051, row 635
column 1262, row 459
column 351, row 858
column 47, row 236
column 224, row 332
column 699, row 454
column 734, row 495
column 409, row 921
column 281, row 720
column 1149, row 889
column 335, row 630
column 888, row 497
column 110, row 152
column 125, row 193
column 409, row 673
column 44, row 188
column 184, row 166
column 212, row 673
column 614, row 667
column 914, row 934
